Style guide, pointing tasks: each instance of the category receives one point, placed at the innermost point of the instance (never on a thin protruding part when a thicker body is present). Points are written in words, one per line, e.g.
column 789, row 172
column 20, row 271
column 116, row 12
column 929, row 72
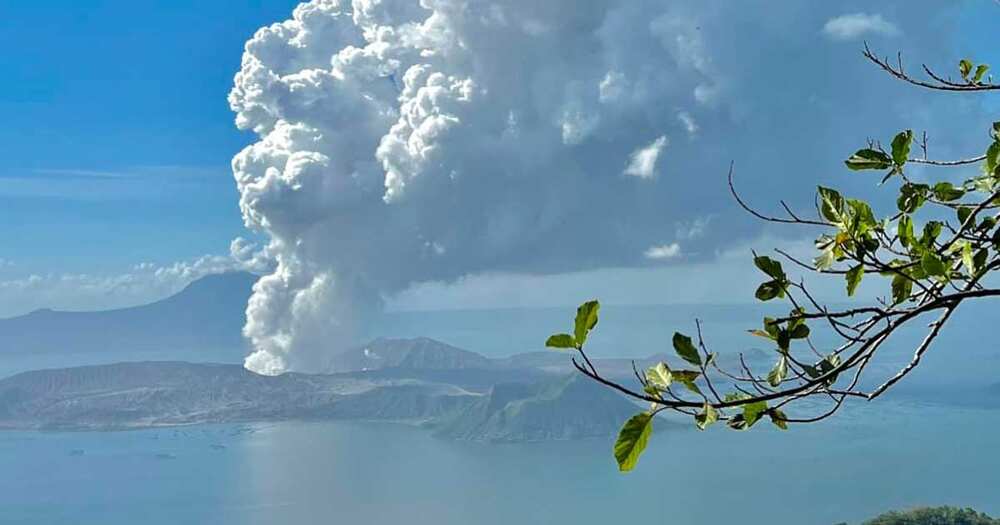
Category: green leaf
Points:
column 963, row 214
column 905, row 231
column 632, row 440
column 945, row 191
column 771, row 327
column 801, row 331
column 686, row 349
column 869, row 159
column 901, row 147
column 779, row 372
column 706, row 417
column 561, row 341
column 652, row 391
column 753, row 411
column 687, row 378
column 981, row 70
column 911, row 197
column 992, row 158
column 965, row 67
column 769, row 266
column 770, row 290
column 823, row 367
column 902, row 287
column 862, row 218
column 931, row 232
column 854, row 276
column 831, row 205
column 896, row 264
column 735, row 396
column 995, row 132
column 979, row 259
column 779, row 418
column 586, row 320
column 659, row 375
column 932, row 264
column 967, row 259
column 784, row 339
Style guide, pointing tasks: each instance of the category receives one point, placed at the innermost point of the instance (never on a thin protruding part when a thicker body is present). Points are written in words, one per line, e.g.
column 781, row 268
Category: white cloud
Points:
column 612, row 86
column 852, row 26
column 663, row 251
column 691, row 230
column 72, row 173
column 135, row 182
column 142, row 283
column 689, row 123
column 642, row 162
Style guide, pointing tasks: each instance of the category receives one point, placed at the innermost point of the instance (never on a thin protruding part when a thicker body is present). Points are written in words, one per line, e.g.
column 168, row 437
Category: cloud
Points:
column 695, row 229
column 728, row 278
column 690, row 125
column 79, row 173
column 663, row 251
column 397, row 145
column 142, row 283
column 853, row 26
column 97, row 185
column 642, row 162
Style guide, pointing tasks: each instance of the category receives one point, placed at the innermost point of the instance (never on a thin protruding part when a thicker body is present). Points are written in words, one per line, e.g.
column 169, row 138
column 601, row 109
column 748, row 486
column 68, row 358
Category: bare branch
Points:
column 938, row 83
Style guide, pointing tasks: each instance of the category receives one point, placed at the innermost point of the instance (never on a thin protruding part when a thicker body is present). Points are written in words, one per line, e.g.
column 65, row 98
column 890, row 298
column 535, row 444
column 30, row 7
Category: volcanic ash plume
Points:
column 403, row 142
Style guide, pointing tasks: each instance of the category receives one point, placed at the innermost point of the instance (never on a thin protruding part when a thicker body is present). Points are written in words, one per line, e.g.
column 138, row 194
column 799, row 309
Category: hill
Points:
column 419, row 353
column 150, row 394
column 934, row 516
column 146, row 394
column 564, row 408
column 204, row 319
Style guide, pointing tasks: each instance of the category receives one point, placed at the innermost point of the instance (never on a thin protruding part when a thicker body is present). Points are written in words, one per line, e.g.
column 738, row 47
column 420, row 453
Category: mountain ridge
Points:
column 204, row 319
column 147, row 394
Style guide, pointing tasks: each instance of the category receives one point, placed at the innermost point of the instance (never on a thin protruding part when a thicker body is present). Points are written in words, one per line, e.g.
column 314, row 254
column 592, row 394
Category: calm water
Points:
column 346, row 473
column 870, row 459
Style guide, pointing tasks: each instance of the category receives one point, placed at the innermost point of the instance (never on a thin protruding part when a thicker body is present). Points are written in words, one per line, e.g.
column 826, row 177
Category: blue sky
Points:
column 118, row 138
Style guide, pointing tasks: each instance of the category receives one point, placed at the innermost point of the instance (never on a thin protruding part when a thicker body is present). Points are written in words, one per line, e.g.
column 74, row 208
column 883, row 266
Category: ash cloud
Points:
column 401, row 143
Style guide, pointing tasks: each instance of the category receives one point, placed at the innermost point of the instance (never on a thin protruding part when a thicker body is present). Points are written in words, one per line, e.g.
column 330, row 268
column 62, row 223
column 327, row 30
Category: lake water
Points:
column 871, row 459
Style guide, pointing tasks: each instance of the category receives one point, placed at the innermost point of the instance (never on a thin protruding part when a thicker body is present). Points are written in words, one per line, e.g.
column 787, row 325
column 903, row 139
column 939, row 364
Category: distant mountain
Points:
column 569, row 407
column 203, row 319
column 420, row 353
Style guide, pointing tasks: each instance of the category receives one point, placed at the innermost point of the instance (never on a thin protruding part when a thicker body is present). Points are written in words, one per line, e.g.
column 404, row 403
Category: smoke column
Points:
column 400, row 142
column 403, row 142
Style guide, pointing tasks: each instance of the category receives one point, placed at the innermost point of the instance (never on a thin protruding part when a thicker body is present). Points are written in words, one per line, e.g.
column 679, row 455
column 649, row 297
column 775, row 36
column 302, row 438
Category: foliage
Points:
column 927, row 255
column 934, row 516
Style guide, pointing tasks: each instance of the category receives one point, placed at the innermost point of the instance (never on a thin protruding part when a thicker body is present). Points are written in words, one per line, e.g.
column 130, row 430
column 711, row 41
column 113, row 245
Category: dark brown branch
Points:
column 937, row 84
column 761, row 216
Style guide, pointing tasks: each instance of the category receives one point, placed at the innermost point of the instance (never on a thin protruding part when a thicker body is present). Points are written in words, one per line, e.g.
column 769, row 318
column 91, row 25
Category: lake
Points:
column 870, row 459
